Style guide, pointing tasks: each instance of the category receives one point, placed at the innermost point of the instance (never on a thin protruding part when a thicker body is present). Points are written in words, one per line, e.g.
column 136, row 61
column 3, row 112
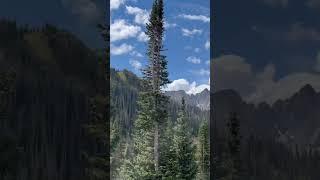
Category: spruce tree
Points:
column 152, row 104
column 141, row 166
column 168, row 160
column 185, row 150
column 156, row 74
column 203, row 151
column 231, row 158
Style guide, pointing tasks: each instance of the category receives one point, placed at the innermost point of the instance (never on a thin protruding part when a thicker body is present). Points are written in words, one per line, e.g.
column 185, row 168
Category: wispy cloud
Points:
column 115, row 4
column 120, row 50
column 120, row 30
column 136, row 53
column 207, row 45
column 142, row 37
column 190, row 33
column 141, row 16
column 194, row 60
column 169, row 25
column 135, row 64
column 201, row 72
column 202, row 18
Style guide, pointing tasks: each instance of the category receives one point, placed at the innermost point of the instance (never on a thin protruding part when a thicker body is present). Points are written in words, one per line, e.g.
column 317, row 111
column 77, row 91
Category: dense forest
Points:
column 152, row 135
column 53, row 108
column 125, row 88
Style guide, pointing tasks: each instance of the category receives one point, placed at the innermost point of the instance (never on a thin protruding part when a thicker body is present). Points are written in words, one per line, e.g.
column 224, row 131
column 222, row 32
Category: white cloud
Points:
column 135, row 64
column 195, row 17
column 141, row 16
column 207, row 45
column 194, row 60
column 233, row 72
column 204, row 72
column 185, row 85
column 190, row 33
column 142, row 37
column 115, row 4
column 197, row 50
column 198, row 89
column 122, row 49
column 201, row 72
column 120, row 30
column 136, row 53
column 169, row 25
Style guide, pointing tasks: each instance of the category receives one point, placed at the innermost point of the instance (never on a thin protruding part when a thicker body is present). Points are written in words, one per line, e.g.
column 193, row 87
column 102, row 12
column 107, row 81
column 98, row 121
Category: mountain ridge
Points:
column 295, row 116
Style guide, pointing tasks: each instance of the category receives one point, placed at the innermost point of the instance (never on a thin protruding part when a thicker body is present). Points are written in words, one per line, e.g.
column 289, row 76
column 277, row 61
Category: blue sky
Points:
column 186, row 40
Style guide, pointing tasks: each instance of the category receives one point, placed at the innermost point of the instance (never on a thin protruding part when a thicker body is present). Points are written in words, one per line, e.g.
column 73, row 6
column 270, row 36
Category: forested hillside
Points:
column 125, row 87
column 52, row 90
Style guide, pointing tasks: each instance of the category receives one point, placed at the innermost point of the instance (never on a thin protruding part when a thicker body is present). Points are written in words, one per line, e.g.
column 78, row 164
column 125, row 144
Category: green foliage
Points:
column 96, row 158
column 155, row 149
column 9, row 149
column 168, row 161
column 229, row 167
column 141, row 166
column 152, row 104
column 203, row 155
column 185, row 150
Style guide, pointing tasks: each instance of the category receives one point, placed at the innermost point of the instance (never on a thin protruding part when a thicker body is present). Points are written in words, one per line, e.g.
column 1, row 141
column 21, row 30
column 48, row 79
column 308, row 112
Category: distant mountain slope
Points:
column 200, row 100
column 125, row 87
column 296, row 117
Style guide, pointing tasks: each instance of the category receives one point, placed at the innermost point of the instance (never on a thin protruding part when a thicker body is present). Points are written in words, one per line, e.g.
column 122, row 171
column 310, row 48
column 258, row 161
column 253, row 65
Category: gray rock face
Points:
column 200, row 100
column 297, row 118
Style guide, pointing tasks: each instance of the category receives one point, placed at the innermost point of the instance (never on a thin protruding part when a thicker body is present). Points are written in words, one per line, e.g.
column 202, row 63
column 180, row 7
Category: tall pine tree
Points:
column 152, row 104
column 185, row 150
column 203, row 151
column 156, row 74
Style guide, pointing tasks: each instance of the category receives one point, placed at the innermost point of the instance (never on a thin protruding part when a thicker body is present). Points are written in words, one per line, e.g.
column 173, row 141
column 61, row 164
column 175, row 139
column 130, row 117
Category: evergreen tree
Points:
column 96, row 130
column 152, row 104
column 203, row 151
column 185, row 150
column 9, row 149
column 156, row 74
column 168, row 159
column 141, row 165
column 231, row 159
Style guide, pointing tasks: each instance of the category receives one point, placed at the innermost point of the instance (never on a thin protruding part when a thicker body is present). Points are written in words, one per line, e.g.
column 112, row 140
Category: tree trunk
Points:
column 156, row 147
